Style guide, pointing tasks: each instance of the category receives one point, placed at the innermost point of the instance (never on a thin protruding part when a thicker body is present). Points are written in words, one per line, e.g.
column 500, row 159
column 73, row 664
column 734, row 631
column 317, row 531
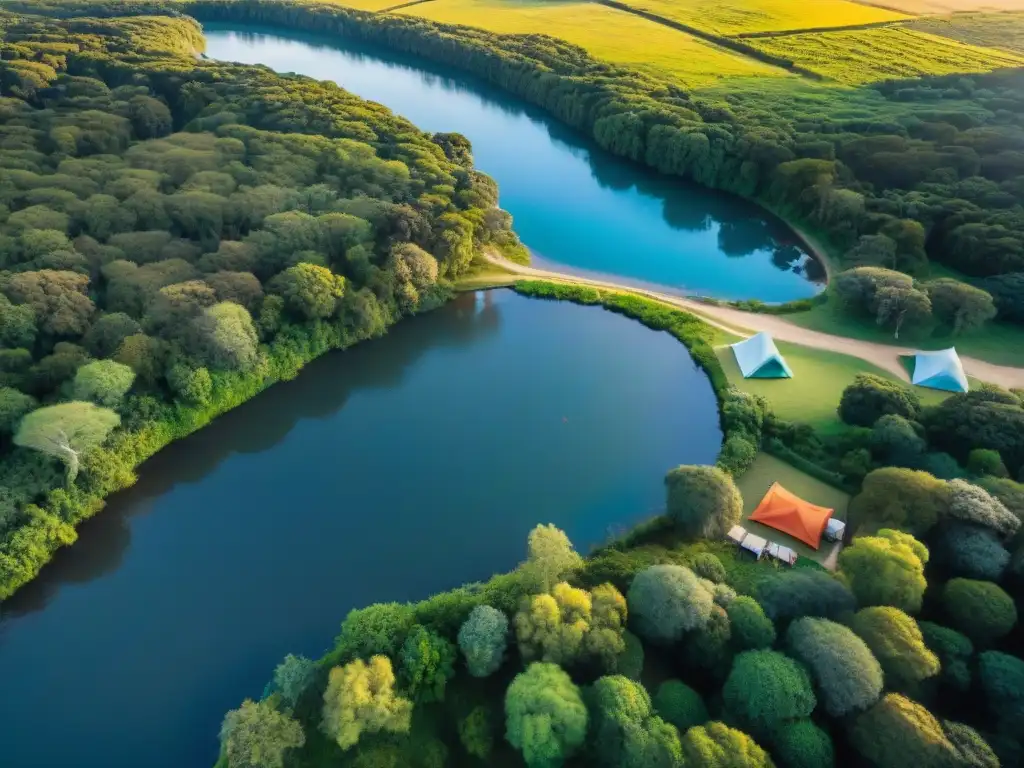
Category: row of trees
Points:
column 176, row 234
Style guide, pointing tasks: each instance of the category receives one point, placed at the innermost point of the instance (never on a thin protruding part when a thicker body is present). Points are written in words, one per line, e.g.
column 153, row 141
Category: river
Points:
column 577, row 207
column 400, row 468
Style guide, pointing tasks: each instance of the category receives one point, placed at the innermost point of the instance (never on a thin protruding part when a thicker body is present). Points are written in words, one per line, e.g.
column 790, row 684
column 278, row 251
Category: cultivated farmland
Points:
column 870, row 55
column 606, row 33
column 947, row 6
column 996, row 30
column 739, row 16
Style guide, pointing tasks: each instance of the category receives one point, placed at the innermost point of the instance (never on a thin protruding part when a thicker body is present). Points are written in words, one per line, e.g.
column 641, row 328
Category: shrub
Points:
column 973, row 504
column 707, row 566
column 667, row 600
column 972, row 751
column 902, row 499
column 887, row 569
column 360, row 697
column 966, row 550
column 477, row 733
column 624, row 730
column 751, row 629
column 870, row 397
column 427, row 663
column 680, row 705
column 737, row 455
column 482, row 639
column 803, row 592
column 979, row 609
column 954, row 651
column 894, row 441
column 257, row 736
column 802, row 744
column 983, row 461
column 847, row 675
column 703, row 502
column 766, row 688
column 715, row 745
column 545, row 716
column 292, row 677
column 1002, row 679
column 897, row 732
column 896, row 641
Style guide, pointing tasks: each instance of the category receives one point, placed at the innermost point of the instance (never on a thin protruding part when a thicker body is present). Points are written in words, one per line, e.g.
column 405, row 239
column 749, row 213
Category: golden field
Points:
column 731, row 17
column 606, row 33
column 947, row 6
column 870, row 55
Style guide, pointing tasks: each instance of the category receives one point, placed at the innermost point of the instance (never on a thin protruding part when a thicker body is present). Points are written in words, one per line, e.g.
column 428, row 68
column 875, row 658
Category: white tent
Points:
column 759, row 358
column 939, row 370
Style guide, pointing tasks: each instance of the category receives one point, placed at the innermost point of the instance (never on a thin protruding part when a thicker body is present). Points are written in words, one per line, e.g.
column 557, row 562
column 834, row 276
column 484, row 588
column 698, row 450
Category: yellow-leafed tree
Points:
column 360, row 697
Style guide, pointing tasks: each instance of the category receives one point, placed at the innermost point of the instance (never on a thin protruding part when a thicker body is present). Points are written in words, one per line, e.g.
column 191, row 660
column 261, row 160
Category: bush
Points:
column 979, row 609
column 887, row 569
column 624, row 730
column 1002, row 680
column 667, row 600
column 972, row 751
column 545, row 716
column 802, row 744
column 482, row 639
column 680, row 705
column 707, row 566
column 715, row 745
column 737, row 455
column 896, row 641
column 902, row 499
column 966, row 550
column 803, row 592
column 870, row 397
column 766, row 688
column 973, row 504
column 898, row 732
column 703, row 502
column 751, row 629
column 477, row 733
column 983, row 461
column 954, row 651
column 895, row 442
column 847, row 675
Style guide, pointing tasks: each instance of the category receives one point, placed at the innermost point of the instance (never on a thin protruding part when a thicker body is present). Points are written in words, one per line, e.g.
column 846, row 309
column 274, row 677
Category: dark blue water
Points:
column 403, row 467
column 577, row 207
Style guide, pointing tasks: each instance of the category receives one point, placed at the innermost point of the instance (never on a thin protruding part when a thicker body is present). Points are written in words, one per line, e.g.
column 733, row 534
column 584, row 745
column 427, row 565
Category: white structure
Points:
column 939, row 370
column 759, row 358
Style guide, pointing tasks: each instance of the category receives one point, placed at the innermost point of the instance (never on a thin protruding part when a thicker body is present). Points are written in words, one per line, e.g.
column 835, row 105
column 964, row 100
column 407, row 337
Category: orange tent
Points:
column 790, row 514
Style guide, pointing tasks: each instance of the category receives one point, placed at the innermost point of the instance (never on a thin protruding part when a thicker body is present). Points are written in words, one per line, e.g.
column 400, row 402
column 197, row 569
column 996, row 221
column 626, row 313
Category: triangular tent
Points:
column 759, row 358
column 790, row 514
column 939, row 370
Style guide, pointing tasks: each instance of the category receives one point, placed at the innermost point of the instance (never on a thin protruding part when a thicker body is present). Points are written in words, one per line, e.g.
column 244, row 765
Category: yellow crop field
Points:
column 606, row 33
column 730, row 17
column 995, row 30
column 869, row 55
column 947, row 6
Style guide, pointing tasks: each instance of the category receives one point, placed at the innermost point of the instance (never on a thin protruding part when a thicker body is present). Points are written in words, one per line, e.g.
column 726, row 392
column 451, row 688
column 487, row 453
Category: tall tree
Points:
column 66, row 431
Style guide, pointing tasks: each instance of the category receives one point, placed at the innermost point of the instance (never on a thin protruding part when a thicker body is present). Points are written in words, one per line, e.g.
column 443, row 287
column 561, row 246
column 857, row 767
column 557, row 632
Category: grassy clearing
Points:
column 735, row 16
column 999, row 343
column 869, row 55
column 946, row 6
column 606, row 33
column 756, row 481
column 995, row 30
column 812, row 395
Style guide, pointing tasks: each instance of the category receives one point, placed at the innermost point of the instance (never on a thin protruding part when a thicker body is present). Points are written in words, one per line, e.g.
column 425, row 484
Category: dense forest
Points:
column 898, row 174
column 175, row 235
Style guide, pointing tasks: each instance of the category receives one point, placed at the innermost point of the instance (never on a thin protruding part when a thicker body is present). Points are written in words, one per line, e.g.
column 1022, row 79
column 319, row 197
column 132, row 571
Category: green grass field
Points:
column 995, row 30
column 606, row 33
column 869, row 55
column 766, row 470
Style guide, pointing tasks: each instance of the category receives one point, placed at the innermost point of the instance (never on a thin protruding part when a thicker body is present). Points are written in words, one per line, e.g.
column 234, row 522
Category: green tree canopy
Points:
column 954, row 651
column 13, row 405
column 766, row 688
column 847, row 676
column 293, row 676
column 902, row 499
column 550, row 556
column 702, row 501
column 545, row 716
column 667, row 600
column 803, row 592
column 482, row 640
column 625, row 732
column 360, row 698
column 870, row 397
column 895, row 640
column 897, row 732
column 959, row 305
column 309, row 290
column 802, row 744
column 427, row 662
column 680, row 705
column 973, row 504
column 224, row 338
column 257, row 736
column 715, row 745
column 886, row 569
column 66, row 431
column 979, row 609
column 58, row 298
column 751, row 629
column 103, row 382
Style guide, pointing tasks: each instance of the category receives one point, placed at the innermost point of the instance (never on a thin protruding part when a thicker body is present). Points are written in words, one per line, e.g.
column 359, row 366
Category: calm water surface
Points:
column 577, row 207
column 400, row 468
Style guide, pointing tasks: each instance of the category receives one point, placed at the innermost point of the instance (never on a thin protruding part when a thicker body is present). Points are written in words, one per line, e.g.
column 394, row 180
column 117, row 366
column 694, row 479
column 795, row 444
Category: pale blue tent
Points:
column 939, row 370
column 759, row 358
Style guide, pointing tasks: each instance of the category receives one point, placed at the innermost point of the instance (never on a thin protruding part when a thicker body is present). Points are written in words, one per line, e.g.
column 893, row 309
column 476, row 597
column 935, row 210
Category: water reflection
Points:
column 255, row 427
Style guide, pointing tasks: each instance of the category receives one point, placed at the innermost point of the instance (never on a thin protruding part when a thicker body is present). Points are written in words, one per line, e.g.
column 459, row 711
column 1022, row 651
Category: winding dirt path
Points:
column 741, row 323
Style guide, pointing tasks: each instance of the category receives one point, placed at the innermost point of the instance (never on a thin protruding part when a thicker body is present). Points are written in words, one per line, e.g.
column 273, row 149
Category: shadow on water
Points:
column 744, row 227
column 254, row 427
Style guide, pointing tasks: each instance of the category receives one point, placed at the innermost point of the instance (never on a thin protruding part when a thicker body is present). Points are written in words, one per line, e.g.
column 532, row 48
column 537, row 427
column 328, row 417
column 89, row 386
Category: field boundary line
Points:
column 400, row 6
column 733, row 44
